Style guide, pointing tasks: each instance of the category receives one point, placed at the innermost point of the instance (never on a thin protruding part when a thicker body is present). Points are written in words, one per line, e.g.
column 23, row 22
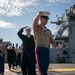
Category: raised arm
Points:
column 20, row 33
column 36, row 19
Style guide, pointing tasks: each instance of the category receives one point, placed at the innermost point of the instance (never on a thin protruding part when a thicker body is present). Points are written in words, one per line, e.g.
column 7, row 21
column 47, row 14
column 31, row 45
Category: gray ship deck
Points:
column 54, row 69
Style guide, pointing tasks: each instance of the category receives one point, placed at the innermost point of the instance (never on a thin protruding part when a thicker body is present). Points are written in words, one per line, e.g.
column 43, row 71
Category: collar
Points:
column 44, row 28
column 28, row 36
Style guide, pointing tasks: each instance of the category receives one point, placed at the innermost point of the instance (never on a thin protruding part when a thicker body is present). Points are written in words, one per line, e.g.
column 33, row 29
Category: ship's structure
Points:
column 65, row 37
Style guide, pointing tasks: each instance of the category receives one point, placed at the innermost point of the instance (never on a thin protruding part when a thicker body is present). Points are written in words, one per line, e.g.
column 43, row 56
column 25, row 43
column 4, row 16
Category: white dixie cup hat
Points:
column 28, row 27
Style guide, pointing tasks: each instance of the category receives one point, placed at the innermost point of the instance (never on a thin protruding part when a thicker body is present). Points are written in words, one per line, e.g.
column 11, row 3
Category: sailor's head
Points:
column 28, row 30
column 44, row 17
column 1, row 40
column 9, row 47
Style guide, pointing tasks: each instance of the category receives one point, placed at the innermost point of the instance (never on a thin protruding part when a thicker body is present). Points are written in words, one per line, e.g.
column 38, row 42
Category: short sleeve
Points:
column 36, row 28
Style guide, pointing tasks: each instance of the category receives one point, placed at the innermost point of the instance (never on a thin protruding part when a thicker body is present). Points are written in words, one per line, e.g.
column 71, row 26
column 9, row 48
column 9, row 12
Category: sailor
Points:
column 43, row 39
column 28, row 56
column 11, row 57
column 2, row 54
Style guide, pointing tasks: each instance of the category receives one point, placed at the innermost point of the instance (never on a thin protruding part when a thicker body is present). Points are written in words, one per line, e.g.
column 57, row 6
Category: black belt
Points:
column 43, row 46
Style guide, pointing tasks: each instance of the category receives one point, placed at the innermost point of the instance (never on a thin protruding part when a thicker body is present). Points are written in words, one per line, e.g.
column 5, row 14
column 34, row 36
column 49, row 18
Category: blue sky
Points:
column 14, row 14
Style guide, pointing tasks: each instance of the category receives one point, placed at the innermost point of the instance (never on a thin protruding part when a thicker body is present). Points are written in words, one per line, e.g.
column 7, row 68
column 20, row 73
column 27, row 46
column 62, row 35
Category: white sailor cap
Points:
column 1, row 39
column 9, row 47
column 28, row 27
column 45, row 14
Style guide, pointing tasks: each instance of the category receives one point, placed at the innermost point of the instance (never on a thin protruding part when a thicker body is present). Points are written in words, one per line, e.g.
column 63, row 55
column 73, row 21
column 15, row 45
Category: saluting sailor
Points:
column 43, row 39
column 28, row 57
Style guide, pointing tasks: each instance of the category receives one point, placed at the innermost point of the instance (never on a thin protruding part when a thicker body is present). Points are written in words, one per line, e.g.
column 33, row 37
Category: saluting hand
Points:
column 40, row 13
